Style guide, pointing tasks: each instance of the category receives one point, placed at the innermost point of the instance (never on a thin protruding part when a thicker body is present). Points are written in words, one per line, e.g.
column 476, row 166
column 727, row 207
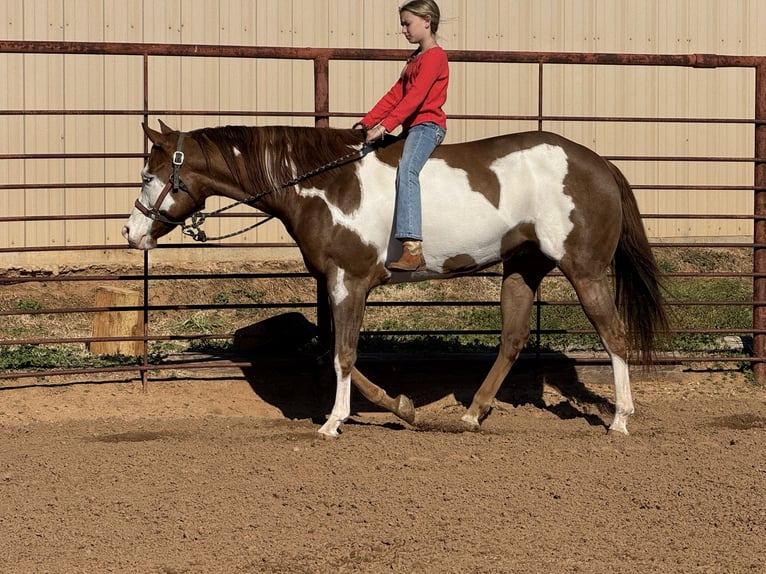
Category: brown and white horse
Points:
column 533, row 201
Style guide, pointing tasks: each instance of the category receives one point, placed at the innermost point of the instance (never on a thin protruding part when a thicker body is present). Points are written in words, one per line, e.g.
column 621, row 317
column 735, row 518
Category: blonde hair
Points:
column 423, row 8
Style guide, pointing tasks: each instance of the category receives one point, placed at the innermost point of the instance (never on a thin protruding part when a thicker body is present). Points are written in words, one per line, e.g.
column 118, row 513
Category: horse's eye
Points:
column 147, row 179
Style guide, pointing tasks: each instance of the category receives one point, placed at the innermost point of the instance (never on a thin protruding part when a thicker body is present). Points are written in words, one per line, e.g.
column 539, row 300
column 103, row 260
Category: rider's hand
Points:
column 376, row 133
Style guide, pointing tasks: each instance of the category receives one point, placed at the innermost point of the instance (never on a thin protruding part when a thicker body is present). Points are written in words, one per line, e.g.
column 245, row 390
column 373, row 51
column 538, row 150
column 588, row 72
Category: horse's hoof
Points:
column 405, row 410
column 619, row 425
column 471, row 421
column 329, row 429
column 618, row 430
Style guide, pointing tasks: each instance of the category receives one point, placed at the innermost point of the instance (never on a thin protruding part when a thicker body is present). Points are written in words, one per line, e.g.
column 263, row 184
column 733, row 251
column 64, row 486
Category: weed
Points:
column 484, row 318
column 700, row 317
column 29, row 305
column 704, row 260
column 667, row 266
column 159, row 350
column 38, row 357
column 210, row 346
column 253, row 296
column 199, row 323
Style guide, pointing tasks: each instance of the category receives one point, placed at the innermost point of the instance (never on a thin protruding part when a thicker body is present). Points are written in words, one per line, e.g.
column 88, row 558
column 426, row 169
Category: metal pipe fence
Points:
column 147, row 278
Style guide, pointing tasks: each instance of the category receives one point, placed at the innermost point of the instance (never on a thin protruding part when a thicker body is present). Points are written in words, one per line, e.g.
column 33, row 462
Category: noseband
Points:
column 173, row 185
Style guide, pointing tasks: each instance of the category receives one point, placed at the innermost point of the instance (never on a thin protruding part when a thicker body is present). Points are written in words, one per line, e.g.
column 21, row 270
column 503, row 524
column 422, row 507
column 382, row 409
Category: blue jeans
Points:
column 420, row 141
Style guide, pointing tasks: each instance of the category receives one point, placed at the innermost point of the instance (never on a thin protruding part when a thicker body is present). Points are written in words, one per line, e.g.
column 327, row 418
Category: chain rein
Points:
column 198, row 218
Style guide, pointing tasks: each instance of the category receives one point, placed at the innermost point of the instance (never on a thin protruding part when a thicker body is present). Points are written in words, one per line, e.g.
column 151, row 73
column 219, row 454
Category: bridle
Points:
column 198, row 217
column 174, row 184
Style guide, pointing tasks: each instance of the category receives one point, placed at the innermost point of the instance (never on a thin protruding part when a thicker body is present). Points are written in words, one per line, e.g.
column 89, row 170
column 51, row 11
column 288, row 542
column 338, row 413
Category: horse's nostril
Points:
column 125, row 232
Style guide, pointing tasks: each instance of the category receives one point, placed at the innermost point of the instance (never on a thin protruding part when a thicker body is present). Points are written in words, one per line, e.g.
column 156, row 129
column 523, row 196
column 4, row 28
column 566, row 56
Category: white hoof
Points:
column 470, row 420
column 330, row 428
column 619, row 426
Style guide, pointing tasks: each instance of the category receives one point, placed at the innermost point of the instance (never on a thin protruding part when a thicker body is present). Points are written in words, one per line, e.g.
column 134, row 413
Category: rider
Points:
column 414, row 102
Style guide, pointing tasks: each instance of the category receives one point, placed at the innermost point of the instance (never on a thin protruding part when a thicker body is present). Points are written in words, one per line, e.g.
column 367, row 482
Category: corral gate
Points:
column 321, row 115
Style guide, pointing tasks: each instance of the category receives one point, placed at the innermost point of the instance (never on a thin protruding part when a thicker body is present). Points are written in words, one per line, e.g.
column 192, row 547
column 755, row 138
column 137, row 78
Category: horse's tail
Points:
column 637, row 278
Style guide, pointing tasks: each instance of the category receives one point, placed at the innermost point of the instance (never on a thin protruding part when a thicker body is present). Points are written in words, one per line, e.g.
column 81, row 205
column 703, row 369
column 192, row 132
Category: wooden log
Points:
column 117, row 323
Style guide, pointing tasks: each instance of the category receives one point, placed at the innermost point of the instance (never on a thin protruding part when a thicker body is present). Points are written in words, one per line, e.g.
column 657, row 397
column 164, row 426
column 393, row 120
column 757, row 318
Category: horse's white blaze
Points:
column 342, row 407
column 138, row 226
column 531, row 190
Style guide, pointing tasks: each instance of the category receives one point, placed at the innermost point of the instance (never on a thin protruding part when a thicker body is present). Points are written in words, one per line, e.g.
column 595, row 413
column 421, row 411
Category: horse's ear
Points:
column 154, row 136
column 166, row 129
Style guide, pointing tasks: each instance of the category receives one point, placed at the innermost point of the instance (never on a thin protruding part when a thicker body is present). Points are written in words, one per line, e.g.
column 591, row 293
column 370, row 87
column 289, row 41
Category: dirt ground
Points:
column 214, row 472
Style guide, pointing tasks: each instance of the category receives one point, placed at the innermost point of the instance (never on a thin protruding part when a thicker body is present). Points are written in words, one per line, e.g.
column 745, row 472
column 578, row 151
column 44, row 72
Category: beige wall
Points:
column 36, row 82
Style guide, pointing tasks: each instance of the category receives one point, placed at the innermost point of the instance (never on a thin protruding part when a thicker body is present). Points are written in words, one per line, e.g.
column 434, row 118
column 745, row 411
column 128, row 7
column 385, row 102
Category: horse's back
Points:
column 482, row 150
column 493, row 195
column 542, row 154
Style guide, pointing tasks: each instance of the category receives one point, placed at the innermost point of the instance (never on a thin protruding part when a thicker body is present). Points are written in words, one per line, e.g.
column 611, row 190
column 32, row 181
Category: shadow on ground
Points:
column 302, row 385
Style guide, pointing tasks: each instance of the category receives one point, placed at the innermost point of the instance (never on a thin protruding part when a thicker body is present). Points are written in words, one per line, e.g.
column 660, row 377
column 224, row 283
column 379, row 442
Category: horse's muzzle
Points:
column 144, row 242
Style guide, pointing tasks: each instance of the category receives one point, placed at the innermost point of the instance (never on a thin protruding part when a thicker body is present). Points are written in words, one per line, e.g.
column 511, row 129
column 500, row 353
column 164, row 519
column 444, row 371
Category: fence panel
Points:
column 63, row 199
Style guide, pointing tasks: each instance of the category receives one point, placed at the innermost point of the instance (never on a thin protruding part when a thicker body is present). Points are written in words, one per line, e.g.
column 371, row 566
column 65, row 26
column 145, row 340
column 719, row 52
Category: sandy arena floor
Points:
column 207, row 473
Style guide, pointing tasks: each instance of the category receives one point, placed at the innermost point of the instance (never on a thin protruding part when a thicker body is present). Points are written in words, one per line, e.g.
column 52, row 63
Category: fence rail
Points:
column 321, row 114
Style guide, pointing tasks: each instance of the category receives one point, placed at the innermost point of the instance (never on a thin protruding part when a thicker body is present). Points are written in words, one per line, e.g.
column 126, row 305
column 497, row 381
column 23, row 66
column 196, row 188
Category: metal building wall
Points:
column 103, row 82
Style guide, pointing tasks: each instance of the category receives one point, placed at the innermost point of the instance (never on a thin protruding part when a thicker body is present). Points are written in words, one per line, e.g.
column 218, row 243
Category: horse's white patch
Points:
column 339, row 290
column 532, row 190
column 342, row 407
column 623, row 398
column 377, row 198
column 458, row 219
column 236, row 151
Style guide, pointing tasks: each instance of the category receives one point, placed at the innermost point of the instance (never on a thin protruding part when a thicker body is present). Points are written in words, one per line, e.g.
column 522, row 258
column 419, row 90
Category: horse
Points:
column 530, row 201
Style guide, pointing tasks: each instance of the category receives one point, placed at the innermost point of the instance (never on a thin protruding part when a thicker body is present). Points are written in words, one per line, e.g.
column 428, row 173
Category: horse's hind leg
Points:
column 521, row 277
column 598, row 303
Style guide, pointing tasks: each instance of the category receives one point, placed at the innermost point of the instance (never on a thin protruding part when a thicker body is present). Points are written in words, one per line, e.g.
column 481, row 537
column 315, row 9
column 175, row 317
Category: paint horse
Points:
column 531, row 201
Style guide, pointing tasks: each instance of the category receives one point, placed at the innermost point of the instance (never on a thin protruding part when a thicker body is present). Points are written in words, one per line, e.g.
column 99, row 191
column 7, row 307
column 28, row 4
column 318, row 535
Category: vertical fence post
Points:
column 322, row 120
column 145, row 303
column 759, row 225
column 539, row 292
column 322, row 91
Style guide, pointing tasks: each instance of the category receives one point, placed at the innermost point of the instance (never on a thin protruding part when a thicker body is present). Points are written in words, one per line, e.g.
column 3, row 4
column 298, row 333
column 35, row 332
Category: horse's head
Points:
column 169, row 190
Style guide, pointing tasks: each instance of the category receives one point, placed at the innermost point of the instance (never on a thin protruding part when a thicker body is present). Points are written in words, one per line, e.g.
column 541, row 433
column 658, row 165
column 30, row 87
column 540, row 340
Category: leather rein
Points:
column 193, row 229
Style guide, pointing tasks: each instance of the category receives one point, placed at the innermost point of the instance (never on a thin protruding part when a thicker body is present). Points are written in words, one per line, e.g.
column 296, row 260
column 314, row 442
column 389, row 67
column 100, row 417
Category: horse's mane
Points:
column 274, row 155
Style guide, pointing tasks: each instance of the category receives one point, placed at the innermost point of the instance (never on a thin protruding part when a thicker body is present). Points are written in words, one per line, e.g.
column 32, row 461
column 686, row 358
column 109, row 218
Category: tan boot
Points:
column 412, row 258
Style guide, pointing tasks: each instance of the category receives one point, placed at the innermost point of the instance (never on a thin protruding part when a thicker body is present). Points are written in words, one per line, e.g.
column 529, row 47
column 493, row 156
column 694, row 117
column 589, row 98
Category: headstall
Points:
column 174, row 184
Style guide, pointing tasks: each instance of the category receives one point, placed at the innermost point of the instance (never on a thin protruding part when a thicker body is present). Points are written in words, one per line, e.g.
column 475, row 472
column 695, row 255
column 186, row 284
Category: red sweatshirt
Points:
column 417, row 97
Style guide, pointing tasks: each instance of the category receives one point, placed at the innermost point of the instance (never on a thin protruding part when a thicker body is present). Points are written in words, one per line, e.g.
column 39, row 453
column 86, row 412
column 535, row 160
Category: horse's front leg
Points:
column 347, row 301
column 342, row 406
column 401, row 406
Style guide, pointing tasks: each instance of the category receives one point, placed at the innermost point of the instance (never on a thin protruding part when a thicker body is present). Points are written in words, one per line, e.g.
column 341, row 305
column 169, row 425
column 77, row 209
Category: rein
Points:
column 198, row 218
column 193, row 229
